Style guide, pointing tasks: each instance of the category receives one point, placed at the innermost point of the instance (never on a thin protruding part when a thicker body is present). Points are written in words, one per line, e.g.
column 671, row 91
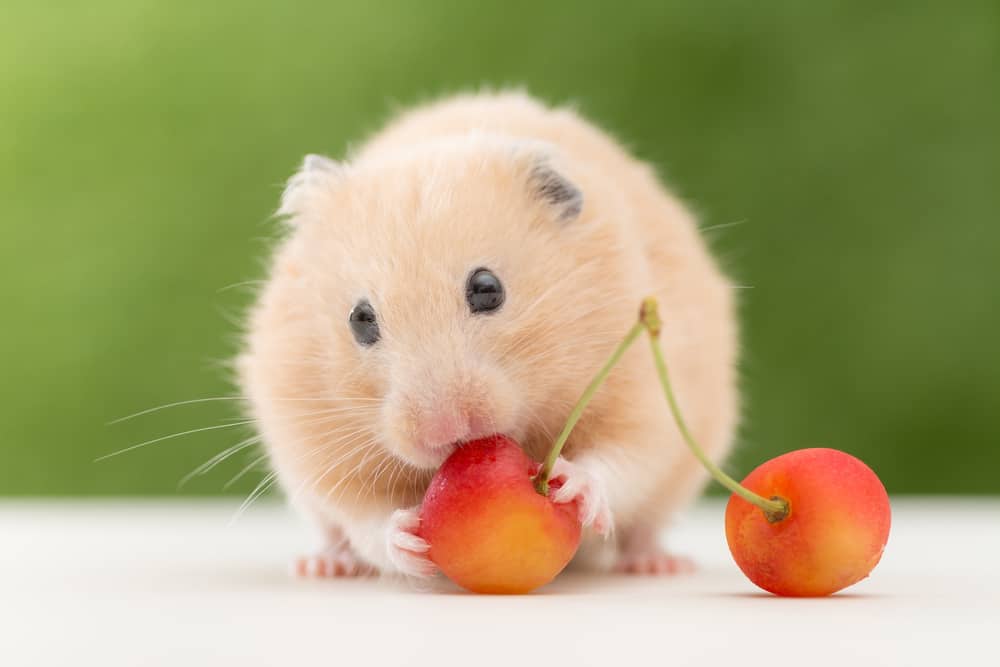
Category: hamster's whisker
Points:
column 257, row 492
column 411, row 476
column 361, row 465
column 343, row 436
column 337, row 460
column 172, row 436
column 603, row 339
column 243, row 471
column 335, row 412
column 608, row 338
column 211, row 399
column 321, row 418
column 535, row 420
column 363, row 447
column 217, row 459
column 359, row 445
column 534, row 333
column 294, row 495
column 555, row 285
column 328, row 398
column 555, row 325
column 396, row 469
column 382, row 466
column 243, row 283
column 353, row 473
column 174, row 405
column 391, row 463
column 724, row 225
column 531, row 362
column 400, row 466
column 346, row 440
column 600, row 303
column 596, row 344
column 344, row 403
column 334, row 450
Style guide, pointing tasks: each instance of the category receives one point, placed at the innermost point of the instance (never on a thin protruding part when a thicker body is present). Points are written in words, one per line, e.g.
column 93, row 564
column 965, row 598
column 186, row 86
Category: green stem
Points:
column 542, row 478
column 775, row 509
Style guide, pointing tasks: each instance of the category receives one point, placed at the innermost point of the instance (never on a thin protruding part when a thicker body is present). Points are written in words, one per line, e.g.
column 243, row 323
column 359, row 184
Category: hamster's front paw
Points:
column 589, row 492
column 407, row 550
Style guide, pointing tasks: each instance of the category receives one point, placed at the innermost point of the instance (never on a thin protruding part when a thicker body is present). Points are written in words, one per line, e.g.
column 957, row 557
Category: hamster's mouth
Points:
column 435, row 455
column 484, row 436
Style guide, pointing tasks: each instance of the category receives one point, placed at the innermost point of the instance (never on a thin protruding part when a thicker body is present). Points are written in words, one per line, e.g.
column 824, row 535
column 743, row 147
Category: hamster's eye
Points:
column 364, row 326
column 483, row 291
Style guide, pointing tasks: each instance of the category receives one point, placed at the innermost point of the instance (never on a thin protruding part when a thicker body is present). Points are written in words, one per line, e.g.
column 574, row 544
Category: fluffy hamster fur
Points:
column 577, row 230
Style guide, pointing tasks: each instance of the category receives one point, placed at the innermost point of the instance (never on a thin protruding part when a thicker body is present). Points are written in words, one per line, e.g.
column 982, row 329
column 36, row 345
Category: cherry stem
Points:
column 775, row 509
column 542, row 478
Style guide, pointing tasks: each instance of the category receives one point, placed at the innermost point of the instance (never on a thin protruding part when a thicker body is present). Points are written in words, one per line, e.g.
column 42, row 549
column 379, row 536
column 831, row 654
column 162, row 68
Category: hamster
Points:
column 466, row 272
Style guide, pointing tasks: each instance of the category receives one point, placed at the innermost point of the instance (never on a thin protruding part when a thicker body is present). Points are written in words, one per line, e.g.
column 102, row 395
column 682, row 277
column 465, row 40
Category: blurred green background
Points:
column 856, row 144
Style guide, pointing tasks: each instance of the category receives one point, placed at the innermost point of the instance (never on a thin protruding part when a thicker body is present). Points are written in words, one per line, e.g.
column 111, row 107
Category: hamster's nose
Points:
column 441, row 428
column 445, row 425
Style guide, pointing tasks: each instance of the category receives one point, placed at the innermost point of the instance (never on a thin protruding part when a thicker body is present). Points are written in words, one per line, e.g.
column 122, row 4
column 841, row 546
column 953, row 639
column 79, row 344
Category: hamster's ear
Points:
column 316, row 177
column 556, row 190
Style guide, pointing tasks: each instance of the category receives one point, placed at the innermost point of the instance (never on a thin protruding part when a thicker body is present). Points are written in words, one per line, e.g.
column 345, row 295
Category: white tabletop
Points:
column 175, row 583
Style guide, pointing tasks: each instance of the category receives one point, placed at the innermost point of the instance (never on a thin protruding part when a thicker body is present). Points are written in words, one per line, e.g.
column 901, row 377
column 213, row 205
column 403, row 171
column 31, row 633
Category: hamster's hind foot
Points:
column 334, row 561
column 653, row 561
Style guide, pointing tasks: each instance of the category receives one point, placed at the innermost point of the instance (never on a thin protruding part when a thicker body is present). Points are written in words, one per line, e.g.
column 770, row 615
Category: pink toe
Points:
column 656, row 563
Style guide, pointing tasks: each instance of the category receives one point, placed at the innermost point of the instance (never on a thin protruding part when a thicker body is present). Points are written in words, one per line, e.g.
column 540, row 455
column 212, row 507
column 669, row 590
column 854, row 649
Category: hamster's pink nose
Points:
column 441, row 428
column 444, row 427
